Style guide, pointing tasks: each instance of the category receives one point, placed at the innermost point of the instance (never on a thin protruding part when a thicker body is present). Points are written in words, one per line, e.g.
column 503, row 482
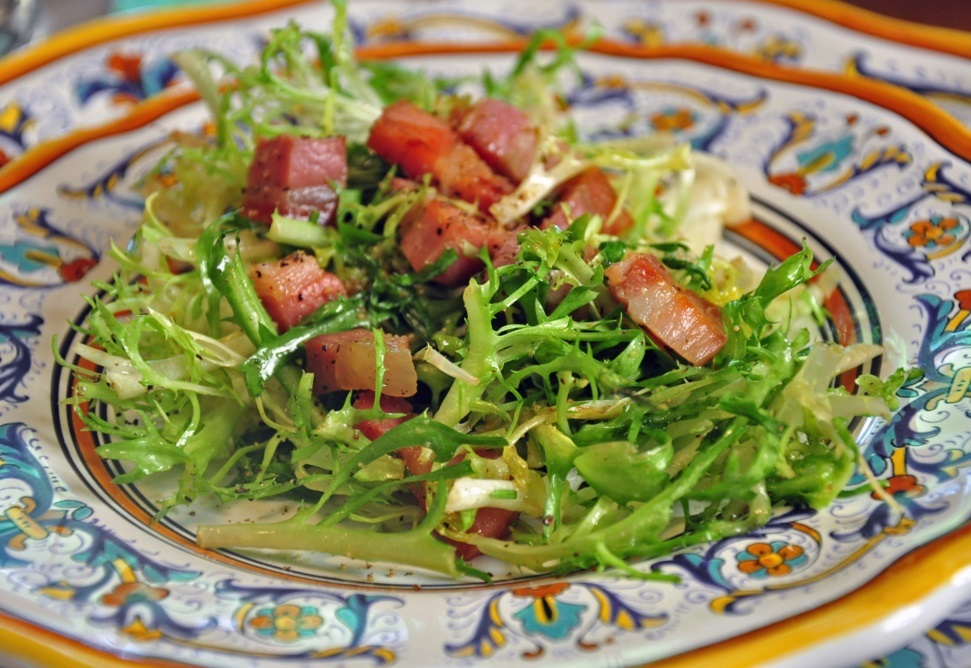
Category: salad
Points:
column 431, row 312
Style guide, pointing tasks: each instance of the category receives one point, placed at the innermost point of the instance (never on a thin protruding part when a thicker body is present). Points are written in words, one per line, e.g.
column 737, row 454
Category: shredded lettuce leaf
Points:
column 539, row 395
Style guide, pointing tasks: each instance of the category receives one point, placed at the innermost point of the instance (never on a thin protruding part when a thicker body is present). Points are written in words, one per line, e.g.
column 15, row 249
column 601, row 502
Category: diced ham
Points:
column 408, row 136
column 421, row 143
column 294, row 287
column 463, row 174
column 678, row 318
column 502, row 135
column 439, row 225
column 345, row 361
column 262, row 201
column 373, row 429
column 488, row 522
column 590, row 192
column 505, row 247
column 295, row 176
column 286, row 161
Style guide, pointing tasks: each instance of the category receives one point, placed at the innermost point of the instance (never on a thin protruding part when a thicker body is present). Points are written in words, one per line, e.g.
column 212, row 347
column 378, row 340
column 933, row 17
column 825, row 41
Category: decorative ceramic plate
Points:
column 870, row 175
column 116, row 63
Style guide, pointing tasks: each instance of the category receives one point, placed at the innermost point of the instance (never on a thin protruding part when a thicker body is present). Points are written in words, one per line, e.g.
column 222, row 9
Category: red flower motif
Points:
column 793, row 182
column 74, row 271
column 129, row 67
column 133, row 592
column 541, row 591
column 906, row 484
column 747, row 24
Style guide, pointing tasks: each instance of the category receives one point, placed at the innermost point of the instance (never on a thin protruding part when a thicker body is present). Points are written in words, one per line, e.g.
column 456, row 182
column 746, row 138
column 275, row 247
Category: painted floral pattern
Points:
column 15, row 126
column 775, row 559
column 128, row 79
column 933, row 233
column 287, row 622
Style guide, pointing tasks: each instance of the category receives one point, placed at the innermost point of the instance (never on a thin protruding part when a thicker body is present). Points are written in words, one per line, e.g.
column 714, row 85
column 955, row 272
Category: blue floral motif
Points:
column 826, row 157
column 778, row 558
column 31, row 508
column 122, row 589
column 883, row 518
column 887, row 451
column 107, row 185
column 128, row 79
column 548, row 617
column 916, row 258
column 947, row 330
column 138, row 612
column 903, row 658
column 702, row 568
column 840, row 155
column 14, row 367
column 707, row 568
column 292, row 614
column 287, row 622
column 42, row 255
column 593, row 93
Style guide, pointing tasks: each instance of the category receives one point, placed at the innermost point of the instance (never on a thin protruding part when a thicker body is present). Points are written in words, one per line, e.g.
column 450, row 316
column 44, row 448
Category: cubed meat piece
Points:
column 374, row 429
column 504, row 248
column 678, row 318
column 262, row 201
column 488, row 522
column 294, row 287
column 502, row 135
column 462, row 173
column 439, row 225
column 295, row 176
column 286, row 161
column 410, row 137
column 590, row 192
column 345, row 361
column 421, row 143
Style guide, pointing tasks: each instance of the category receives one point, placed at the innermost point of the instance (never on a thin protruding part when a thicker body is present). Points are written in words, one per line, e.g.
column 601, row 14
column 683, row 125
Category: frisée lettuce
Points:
column 553, row 426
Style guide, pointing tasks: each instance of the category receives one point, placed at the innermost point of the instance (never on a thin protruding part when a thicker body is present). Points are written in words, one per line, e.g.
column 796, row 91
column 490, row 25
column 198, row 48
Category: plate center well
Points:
column 770, row 237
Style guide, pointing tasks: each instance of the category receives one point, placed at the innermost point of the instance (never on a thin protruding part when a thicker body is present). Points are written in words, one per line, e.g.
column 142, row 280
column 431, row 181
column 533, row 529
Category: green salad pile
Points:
column 537, row 392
